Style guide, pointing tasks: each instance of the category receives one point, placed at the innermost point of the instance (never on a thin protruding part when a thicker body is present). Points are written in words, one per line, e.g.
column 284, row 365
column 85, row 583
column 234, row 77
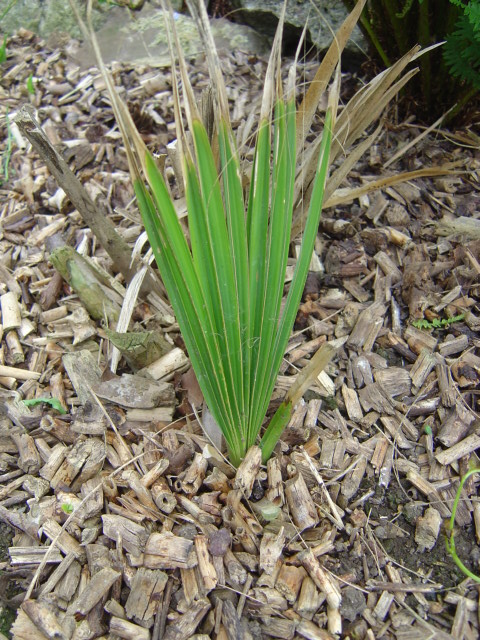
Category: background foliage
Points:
column 450, row 74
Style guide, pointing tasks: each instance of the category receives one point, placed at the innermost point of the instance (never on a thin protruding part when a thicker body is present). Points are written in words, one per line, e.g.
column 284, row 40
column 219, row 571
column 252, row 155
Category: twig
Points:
column 102, row 227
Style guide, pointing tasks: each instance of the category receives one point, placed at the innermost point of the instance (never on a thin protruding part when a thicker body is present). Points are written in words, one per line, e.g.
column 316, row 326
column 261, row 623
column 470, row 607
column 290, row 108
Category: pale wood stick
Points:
column 18, row 374
column 205, row 565
column 321, row 578
column 101, row 225
column 247, row 471
column 11, row 312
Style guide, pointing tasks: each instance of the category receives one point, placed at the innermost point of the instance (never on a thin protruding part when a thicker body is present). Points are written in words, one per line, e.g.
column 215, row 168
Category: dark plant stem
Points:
column 400, row 25
column 367, row 27
column 464, row 100
column 425, row 61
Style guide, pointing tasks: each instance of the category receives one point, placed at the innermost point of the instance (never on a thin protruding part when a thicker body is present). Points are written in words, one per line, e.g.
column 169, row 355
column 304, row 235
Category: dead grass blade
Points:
column 324, row 73
column 360, row 113
column 344, row 196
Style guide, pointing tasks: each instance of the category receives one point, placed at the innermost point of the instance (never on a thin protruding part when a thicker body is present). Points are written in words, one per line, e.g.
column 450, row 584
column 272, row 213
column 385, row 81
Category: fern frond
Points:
column 462, row 52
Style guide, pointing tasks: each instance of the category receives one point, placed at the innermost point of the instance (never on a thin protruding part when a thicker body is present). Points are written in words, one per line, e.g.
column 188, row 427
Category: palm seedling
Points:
column 226, row 284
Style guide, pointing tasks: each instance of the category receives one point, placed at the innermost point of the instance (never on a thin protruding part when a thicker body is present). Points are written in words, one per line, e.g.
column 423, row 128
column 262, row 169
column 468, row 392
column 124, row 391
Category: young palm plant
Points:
column 226, row 286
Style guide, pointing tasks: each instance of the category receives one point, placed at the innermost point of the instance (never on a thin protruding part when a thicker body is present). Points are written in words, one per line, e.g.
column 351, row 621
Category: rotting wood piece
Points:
column 127, row 630
column 98, row 588
column 146, row 589
column 321, row 578
column 247, row 471
column 83, row 462
column 300, row 503
column 186, row 624
column 167, row 551
column 44, row 620
column 100, row 224
column 133, row 537
column 64, row 541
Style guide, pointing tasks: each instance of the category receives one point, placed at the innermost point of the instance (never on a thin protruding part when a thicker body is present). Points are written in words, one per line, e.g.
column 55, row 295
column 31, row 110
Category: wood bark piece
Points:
column 15, row 349
column 427, row 529
column 87, row 282
column 194, row 510
column 24, row 629
column 155, row 472
column 165, row 367
column 235, row 628
column 133, row 537
column 139, row 348
column 215, row 460
column 56, row 457
column 167, row 551
column 363, row 326
column 445, row 384
column 351, row 483
column 191, row 588
column 275, row 491
column 64, row 541
column 29, row 459
column 83, row 371
column 206, row 568
column 383, row 605
column 271, row 548
column 394, row 427
column 388, row 267
column 300, row 503
column 309, row 599
column 57, row 574
column 247, row 471
column 459, row 450
column 145, row 591
column 98, row 588
column 289, row 581
column 102, row 227
column 217, row 481
column 44, row 620
column 422, row 366
column 18, row 374
column 134, row 391
column 279, row 628
column 163, row 496
column 133, row 480
column 22, row 521
column 352, row 405
column 33, row 555
column 418, row 339
column 186, row 624
column 311, row 631
column 455, row 345
column 11, row 312
column 124, row 629
column 456, row 425
column 235, row 571
column 321, row 578
column 394, row 380
column 83, row 462
column 429, row 491
column 194, row 475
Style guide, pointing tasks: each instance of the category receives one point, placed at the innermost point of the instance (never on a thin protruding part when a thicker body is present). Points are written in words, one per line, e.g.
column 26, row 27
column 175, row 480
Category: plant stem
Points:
column 399, row 25
column 375, row 41
column 425, row 62
column 449, row 540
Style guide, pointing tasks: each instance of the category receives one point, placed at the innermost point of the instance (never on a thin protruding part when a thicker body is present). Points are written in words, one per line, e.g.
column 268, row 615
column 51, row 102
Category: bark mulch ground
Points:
column 121, row 519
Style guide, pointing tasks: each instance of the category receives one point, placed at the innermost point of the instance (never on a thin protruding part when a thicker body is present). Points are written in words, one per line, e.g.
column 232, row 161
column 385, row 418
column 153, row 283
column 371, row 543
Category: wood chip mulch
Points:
column 127, row 523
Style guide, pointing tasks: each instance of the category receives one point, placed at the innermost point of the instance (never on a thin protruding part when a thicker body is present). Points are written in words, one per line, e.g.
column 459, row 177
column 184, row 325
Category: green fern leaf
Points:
column 462, row 50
